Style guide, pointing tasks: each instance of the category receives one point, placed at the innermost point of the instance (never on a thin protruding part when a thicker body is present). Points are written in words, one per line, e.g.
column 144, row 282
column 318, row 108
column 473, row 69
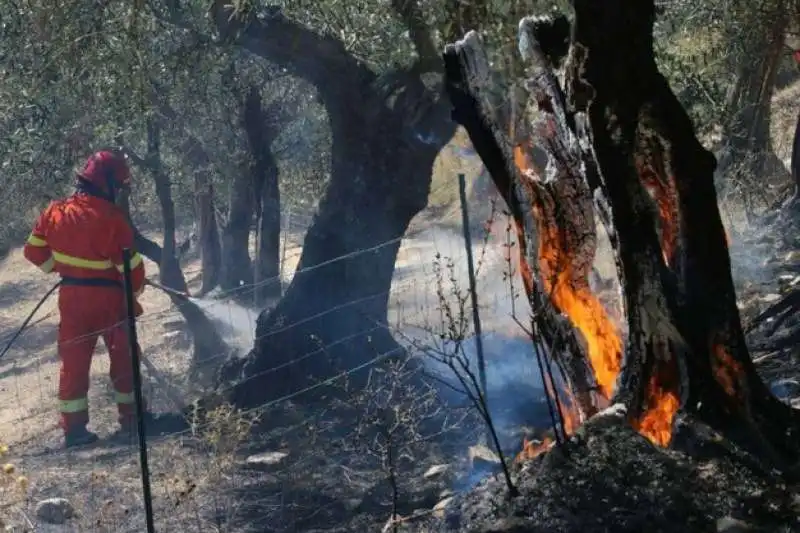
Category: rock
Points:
column 435, row 470
column 729, row 524
column 785, row 388
column 266, row 458
column 54, row 511
column 481, row 457
column 438, row 509
column 769, row 298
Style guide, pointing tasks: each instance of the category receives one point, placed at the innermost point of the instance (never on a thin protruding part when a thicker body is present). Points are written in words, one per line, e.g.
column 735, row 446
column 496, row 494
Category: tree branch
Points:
column 409, row 11
column 322, row 60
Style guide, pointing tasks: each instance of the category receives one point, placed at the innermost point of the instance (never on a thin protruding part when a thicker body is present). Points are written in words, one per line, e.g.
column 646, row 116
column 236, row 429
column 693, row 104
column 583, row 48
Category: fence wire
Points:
column 201, row 478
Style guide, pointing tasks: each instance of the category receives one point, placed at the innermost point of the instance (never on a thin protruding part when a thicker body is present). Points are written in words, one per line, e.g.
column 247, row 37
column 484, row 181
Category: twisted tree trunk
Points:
column 332, row 319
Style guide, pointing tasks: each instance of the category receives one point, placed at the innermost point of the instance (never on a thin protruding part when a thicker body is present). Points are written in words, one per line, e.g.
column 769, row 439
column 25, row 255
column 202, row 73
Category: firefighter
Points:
column 81, row 238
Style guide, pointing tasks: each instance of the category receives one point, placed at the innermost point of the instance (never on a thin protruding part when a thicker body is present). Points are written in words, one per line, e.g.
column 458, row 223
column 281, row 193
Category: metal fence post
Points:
column 285, row 229
column 476, row 317
column 133, row 345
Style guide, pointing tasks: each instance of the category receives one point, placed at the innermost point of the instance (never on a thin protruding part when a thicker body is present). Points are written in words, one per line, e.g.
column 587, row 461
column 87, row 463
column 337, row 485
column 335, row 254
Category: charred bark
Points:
column 552, row 207
column 700, row 318
column 685, row 344
column 235, row 238
column 387, row 132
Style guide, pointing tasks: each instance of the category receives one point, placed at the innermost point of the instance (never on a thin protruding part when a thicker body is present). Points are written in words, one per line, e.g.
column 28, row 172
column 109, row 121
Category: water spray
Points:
column 171, row 292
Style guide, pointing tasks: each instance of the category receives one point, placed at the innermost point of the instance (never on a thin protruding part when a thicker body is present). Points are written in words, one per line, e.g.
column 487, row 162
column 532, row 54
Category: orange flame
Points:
column 662, row 192
column 569, row 415
column 532, row 449
column 574, row 298
column 727, row 370
column 662, row 405
column 571, row 294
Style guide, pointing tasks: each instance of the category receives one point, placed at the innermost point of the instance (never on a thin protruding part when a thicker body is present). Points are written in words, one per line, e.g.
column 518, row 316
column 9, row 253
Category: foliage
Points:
column 77, row 75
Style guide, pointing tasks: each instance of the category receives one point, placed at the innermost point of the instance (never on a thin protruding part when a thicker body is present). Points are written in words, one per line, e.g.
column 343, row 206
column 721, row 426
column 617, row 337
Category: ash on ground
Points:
column 610, row 479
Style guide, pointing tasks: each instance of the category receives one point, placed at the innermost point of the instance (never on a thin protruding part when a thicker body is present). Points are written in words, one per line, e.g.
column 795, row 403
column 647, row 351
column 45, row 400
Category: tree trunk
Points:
column 148, row 248
column 170, row 271
column 333, row 317
column 236, row 262
column 748, row 156
column 196, row 157
column 237, row 265
column 795, row 163
column 685, row 345
column 268, row 262
column 264, row 173
column 207, row 232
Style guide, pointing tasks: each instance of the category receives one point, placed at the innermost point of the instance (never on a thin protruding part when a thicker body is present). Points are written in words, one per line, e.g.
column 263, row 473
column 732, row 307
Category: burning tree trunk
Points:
column 625, row 131
column 386, row 134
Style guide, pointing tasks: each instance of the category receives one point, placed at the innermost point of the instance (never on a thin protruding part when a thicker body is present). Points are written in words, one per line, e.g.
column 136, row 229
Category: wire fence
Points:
column 202, row 479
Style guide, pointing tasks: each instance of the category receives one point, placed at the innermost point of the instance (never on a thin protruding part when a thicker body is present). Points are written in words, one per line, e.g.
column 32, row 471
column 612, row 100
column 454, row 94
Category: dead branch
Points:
column 780, row 310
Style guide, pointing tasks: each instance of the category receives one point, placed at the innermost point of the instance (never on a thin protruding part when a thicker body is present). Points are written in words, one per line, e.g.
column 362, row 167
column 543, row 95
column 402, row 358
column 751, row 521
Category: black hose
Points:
column 27, row 320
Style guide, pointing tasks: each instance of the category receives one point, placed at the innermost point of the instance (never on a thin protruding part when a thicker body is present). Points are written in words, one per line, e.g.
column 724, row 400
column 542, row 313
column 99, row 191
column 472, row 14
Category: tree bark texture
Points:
column 387, row 132
column 551, row 203
column 620, row 127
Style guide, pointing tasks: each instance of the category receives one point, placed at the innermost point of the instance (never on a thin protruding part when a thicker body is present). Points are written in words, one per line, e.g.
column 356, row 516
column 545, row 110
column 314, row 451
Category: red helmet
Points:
column 106, row 170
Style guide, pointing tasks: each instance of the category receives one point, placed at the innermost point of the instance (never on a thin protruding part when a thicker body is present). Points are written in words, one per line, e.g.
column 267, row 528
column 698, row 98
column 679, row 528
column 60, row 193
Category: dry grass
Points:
column 785, row 108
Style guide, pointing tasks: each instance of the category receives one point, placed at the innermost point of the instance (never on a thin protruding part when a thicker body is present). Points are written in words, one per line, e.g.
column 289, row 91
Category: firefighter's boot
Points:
column 79, row 436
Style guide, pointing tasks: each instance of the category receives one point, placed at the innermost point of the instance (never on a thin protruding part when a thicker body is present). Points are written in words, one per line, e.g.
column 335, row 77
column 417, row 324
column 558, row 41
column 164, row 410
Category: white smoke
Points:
column 235, row 322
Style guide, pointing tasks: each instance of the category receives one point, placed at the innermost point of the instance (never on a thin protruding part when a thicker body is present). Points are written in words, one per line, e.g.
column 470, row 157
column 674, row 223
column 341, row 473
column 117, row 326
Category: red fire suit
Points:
column 81, row 238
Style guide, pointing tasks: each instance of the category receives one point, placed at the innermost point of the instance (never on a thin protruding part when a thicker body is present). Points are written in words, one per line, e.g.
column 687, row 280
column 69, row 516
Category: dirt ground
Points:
column 102, row 481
